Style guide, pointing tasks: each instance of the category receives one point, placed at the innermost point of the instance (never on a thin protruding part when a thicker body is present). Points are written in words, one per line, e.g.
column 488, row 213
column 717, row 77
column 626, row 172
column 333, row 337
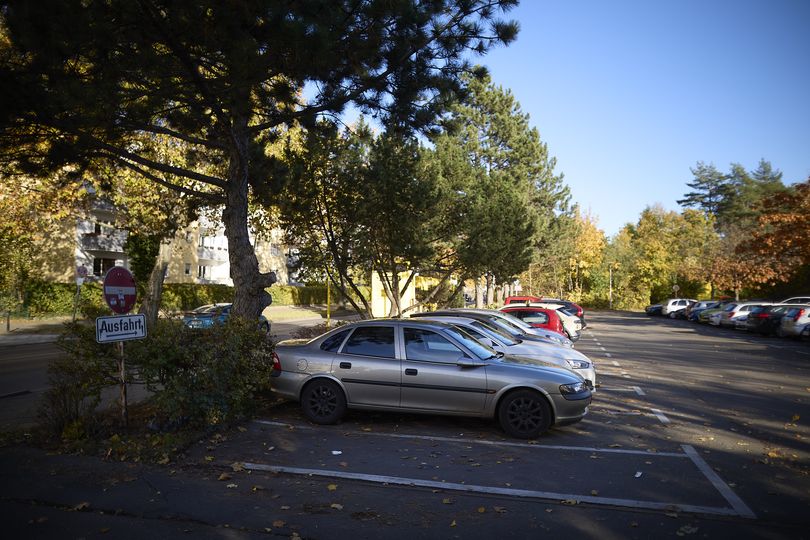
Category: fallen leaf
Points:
column 285, row 507
column 336, row 506
column 499, row 509
column 453, row 524
column 242, row 429
column 224, row 476
column 209, row 458
column 570, row 502
column 81, row 506
column 231, row 486
column 278, row 523
column 332, row 487
column 795, row 418
column 237, row 466
column 257, row 488
column 164, row 460
column 594, row 492
column 481, row 509
column 686, row 529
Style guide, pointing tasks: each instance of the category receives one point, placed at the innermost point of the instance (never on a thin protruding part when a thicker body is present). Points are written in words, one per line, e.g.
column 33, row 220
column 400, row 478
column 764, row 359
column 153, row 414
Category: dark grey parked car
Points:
column 422, row 366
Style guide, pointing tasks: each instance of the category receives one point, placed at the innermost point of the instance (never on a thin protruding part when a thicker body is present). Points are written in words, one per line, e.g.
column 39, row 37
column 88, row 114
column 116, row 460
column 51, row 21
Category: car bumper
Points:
column 288, row 384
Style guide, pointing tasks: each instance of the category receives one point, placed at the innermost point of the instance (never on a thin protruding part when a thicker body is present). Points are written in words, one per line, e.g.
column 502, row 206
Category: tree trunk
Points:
column 479, row 294
column 490, row 290
column 250, row 296
column 154, row 290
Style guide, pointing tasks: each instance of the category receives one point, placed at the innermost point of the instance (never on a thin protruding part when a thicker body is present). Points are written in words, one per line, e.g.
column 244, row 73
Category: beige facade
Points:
column 199, row 252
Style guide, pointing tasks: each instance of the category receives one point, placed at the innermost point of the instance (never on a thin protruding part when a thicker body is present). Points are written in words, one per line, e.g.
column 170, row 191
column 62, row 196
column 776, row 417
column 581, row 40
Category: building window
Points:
column 100, row 266
column 187, row 269
column 202, row 272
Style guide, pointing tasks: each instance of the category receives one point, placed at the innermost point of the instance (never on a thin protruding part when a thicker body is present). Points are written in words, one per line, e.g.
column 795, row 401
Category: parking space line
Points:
column 661, row 416
column 615, row 363
column 523, row 493
column 739, row 506
column 491, row 443
column 639, row 391
column 608, row 355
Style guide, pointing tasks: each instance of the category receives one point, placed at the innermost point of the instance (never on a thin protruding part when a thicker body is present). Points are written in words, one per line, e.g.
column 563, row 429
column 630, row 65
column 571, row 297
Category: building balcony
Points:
column 212, row 254
column 113, row 242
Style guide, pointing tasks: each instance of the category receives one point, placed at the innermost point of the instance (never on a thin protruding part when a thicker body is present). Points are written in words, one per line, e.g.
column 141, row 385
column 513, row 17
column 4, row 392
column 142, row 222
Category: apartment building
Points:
column 199, row 252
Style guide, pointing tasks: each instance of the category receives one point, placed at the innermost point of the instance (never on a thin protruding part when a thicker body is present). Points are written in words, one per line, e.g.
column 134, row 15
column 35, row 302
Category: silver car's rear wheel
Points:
column 323, row 402
column 524, row 414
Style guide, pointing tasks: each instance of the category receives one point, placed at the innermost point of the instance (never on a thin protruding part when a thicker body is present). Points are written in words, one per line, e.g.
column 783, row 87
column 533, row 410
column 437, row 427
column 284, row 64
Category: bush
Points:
column 197, row 377
column 203, row 376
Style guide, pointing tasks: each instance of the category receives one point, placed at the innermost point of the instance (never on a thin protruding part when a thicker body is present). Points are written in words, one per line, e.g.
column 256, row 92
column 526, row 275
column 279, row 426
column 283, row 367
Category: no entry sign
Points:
column 119, row 289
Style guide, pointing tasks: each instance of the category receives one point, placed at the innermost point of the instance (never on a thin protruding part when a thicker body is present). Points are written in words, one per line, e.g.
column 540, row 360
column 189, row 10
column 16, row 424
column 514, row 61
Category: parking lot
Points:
column 690, row 424
column 693, row 432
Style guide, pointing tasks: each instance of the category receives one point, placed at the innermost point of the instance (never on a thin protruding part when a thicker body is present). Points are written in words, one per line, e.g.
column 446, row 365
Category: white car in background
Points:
column 736, row 315
column 492, row 336
column 795, row 322
column 673, row 305
column 571, row 323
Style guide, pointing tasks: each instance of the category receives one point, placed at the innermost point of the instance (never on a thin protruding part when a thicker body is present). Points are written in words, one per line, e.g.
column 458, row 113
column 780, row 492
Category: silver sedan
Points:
column 422, row 366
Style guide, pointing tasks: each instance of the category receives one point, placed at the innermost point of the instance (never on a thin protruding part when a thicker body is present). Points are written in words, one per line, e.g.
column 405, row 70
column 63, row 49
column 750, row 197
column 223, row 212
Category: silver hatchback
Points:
column 422, row 366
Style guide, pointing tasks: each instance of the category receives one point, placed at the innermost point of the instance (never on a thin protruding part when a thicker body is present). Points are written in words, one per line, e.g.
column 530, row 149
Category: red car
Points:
column 521, row 299
column 537, row 317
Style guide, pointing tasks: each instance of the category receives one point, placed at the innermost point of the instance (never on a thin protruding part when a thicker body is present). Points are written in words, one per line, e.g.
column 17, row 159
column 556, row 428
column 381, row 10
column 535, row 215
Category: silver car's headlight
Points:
column 574, row 388
column 578, row 364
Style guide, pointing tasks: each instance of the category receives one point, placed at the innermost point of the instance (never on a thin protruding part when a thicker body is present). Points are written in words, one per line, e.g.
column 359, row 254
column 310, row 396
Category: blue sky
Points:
column 629, row 94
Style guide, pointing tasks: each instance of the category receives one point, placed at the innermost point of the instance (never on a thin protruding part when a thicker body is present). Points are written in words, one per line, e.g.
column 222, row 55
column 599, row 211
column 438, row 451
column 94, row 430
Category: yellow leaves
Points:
column 237, row 466
column 209, row 458
column 336, row 506
column 332, row 487
column 81, row 506
column 224, row 476
column 453, row 524
column 279, row 523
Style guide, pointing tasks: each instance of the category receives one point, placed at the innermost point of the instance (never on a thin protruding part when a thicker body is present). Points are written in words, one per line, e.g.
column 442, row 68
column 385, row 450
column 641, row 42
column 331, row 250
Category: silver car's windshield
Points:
column 473, row 345
column 509, row 318
column 495, row 332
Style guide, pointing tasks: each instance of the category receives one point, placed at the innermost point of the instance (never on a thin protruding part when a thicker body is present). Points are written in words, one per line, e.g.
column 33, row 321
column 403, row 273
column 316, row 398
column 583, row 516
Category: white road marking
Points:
column 603, row 348
column 608, row 355
column 658, row 414
column 484, row 442
column 639, row 391
column 523, row 493
column 615, row 363
column 739, row 506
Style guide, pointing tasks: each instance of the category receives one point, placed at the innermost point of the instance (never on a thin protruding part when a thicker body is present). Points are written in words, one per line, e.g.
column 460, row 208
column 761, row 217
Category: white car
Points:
column 795, row 321
column 736, row 315
column 673, row 305
column 571, row 323
column 501, row 341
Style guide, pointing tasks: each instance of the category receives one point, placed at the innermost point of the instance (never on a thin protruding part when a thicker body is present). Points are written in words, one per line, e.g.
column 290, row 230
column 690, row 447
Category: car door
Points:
column 368, row 367
column 433, row 380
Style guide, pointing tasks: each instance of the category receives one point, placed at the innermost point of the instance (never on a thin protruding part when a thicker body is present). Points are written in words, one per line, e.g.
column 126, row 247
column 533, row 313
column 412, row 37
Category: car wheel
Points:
column 524, row 414
column 672, row 315
column 265, row 327
column 323, row 402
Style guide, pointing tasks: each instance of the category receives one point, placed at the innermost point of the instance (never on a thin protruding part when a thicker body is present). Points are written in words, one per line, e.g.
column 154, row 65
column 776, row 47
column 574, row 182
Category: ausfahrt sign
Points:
column 120, row 328
column 119, row 289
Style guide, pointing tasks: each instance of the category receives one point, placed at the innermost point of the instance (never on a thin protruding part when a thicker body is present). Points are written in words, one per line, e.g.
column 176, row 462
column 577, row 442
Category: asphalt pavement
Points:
column 693, row 433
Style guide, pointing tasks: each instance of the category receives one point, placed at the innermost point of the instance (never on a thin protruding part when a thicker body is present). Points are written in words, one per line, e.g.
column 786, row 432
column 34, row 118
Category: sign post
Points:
column 120, row 294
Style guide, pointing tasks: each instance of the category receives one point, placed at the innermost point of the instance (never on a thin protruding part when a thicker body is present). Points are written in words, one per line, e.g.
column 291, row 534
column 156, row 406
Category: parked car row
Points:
column 467, row 362
column 788, row 318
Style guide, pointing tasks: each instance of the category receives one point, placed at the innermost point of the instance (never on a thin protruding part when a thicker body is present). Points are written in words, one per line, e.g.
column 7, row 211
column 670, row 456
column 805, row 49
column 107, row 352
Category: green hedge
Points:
column 43, row 298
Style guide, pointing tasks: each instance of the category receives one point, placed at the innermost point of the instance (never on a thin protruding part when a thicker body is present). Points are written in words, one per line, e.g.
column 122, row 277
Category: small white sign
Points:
column 120, row 328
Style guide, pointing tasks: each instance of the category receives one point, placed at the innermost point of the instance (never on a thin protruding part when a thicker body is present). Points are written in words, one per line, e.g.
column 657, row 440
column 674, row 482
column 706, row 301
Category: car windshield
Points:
column 211, row 308
column 512, row 321
column 495, row 332
column 473, row 345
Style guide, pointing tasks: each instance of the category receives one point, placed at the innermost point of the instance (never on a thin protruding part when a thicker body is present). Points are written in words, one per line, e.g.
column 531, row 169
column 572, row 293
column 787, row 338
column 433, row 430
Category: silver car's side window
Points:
column 371, row 341
column 333, row 342
column 429, row 346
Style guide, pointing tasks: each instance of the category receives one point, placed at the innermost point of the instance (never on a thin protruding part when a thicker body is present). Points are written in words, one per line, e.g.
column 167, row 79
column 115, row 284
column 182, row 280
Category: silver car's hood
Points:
column 537, row 363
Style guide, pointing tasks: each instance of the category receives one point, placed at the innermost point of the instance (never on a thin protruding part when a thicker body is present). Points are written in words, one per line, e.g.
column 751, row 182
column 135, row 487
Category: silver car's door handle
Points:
column 345, row 365
column 411, row 371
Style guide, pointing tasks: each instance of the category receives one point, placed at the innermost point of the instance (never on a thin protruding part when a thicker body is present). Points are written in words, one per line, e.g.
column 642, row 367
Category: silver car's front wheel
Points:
column 323, row 402
column 524, row 414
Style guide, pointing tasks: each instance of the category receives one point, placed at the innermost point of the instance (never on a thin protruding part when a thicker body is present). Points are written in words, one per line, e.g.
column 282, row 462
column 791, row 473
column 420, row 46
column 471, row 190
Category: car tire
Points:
column 672, row 314
column 323, row 402
column 524, row 414
column 264, row 327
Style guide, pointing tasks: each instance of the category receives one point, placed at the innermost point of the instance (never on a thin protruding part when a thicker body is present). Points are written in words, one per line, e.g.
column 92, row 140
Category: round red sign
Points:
column 119, row 289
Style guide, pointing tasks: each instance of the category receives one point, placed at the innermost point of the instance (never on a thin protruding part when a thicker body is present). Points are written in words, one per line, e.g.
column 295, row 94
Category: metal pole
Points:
column 122, row 367
column 610, row 290
column 328, row 302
